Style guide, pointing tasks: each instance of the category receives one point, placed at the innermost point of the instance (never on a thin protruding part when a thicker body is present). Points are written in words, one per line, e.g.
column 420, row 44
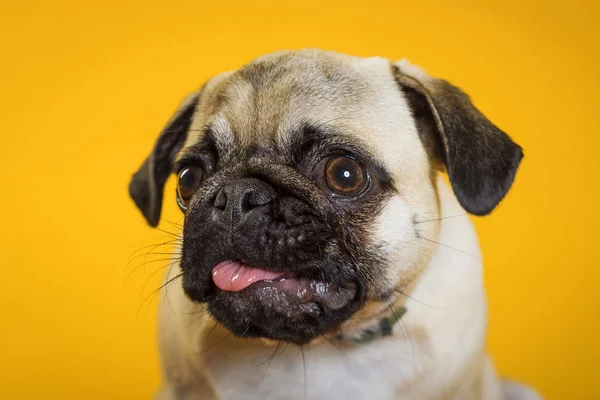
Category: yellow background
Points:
column 87, row 85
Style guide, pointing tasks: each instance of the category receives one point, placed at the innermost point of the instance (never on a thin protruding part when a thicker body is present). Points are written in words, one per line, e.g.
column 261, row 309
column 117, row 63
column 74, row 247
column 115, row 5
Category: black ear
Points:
column 481, row 160
column 146, row 186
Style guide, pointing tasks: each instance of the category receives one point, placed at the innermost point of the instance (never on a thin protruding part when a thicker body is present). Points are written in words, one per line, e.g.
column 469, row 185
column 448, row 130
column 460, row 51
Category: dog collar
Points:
column 383, row 328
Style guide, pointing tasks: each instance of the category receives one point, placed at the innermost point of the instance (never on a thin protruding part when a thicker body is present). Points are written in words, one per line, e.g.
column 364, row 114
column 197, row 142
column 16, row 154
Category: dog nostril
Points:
column 238, row 198
column 254, row 199
column 221, row 200
column 260, row 198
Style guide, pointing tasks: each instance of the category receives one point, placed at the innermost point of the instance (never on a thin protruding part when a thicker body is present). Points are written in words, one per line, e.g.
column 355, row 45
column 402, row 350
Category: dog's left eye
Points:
column 188, row 181
column 341, row 176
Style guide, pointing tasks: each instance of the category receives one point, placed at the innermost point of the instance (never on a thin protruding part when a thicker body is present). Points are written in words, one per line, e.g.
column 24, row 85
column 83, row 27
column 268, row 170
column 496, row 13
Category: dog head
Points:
column 302, row 176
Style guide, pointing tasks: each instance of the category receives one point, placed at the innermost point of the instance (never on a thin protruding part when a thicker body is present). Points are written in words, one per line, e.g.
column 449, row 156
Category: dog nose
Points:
column 235, row 200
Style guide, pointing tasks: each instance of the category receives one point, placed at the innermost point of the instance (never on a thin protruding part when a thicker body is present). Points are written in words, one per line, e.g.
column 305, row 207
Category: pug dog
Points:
column 322, row 254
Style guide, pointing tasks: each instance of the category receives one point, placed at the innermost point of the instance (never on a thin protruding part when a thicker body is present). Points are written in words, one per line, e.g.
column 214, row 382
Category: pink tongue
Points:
column 233, row 276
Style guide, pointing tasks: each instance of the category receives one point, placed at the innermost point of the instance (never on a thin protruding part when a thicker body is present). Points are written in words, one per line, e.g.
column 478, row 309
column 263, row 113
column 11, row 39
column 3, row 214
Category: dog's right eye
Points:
column 188, row 181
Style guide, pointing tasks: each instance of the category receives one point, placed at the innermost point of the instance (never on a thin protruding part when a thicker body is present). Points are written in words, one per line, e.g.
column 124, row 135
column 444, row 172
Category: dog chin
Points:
column 252, row 302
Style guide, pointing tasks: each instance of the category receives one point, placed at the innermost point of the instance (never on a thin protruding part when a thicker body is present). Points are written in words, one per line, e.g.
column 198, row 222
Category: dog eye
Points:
column 345, row 176
column 188, row 181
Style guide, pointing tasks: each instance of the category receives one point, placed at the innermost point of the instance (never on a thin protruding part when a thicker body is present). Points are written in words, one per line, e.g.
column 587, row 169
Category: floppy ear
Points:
column 146, row 186
column 480, row 159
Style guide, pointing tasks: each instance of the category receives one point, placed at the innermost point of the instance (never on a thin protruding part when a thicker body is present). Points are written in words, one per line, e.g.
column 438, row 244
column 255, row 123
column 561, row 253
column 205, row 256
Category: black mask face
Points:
column 283, row 207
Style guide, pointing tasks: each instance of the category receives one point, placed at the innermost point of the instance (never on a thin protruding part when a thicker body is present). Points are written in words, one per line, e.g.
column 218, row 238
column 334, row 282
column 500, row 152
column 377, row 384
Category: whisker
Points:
column 405, row 332
column 173, row 258
column 268, row 359
column 147, row 257
column 211, row 346
column 246, row 330
column 174, row 224
column 167, row 290
column 304, row 368
column 143, row 264
column 442, row 218
column 153, row 294
column 177, row 236
column 173, row 262
column 449, row 247
column 334, row 345
column 412, row 345
column 395, row 315
column 151, row 253
column 151, row 245
column 415, row 300
column 212, row 329
column 200, row 310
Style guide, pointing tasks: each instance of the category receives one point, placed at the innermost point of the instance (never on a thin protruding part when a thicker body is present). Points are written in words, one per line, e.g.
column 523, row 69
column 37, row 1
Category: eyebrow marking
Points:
column 222, row 133
column 217, row 133
column 310, row 140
